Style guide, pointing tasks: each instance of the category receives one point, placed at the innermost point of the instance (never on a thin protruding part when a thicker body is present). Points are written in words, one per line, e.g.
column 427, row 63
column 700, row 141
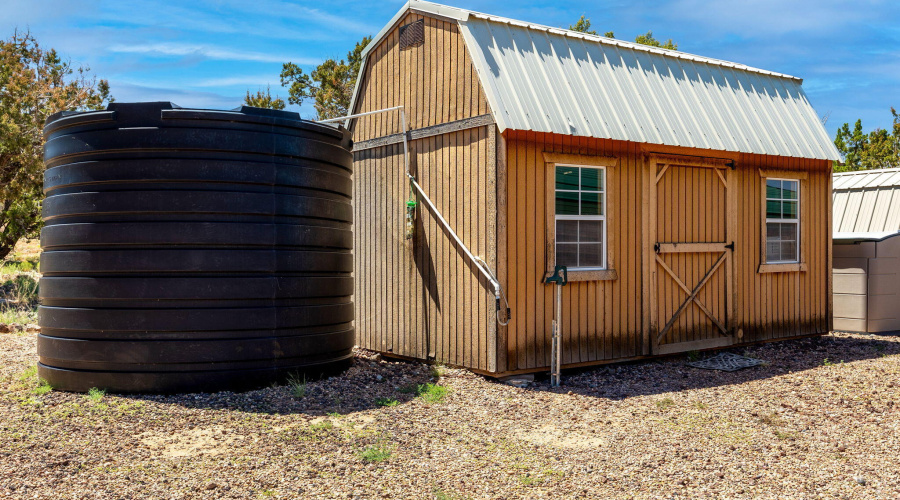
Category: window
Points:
column 782, row 221
column 580, row 217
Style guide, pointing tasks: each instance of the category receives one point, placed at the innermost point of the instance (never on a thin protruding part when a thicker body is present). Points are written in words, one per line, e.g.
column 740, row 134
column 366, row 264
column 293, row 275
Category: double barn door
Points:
column 690, row 235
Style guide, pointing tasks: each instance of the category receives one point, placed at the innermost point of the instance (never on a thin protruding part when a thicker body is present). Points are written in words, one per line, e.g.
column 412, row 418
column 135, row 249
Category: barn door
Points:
column 691, row 262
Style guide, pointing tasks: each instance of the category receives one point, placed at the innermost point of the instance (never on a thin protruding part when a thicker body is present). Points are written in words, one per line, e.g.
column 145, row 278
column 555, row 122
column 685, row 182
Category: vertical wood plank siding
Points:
column 422, row 298
column 604, row 320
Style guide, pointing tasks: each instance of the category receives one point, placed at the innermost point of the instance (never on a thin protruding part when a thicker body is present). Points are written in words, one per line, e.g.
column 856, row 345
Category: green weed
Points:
column 298, row 386
column 386, row 402
column 664, row 404
column 325, row 425
column 96, row 395
column 375, row 453
column 693, row 356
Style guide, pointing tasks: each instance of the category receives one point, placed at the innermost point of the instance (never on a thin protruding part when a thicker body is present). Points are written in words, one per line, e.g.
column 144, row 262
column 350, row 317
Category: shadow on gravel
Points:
column 670, row 374
column 370, row 383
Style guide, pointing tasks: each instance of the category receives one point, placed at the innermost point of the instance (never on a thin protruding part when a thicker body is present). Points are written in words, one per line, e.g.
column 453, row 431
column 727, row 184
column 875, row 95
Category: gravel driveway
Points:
column 819, row 420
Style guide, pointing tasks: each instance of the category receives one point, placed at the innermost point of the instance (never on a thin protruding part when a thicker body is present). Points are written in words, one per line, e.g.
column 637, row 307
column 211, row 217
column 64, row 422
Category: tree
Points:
column 330, row 85
column 647, row 39
column 34, row 84
column 584, row 26
column 264, row 99
column 879, row 148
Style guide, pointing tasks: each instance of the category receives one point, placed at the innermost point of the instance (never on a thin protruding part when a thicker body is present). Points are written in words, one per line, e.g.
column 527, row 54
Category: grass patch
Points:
column 431, row 393
column 375, row 453
column 693, row 356
column 96, row 395
column 297, row 385
column 325, row 425
column 529, row 480
column 386, row 402
column 664, row 404
column 784, row 435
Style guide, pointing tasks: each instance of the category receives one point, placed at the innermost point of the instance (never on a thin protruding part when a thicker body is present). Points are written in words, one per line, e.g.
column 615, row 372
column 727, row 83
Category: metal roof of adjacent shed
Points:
column 866, row 201
column 546, row 79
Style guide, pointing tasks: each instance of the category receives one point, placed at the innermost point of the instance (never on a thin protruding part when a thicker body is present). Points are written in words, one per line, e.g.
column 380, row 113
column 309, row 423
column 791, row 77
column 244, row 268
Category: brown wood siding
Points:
column 606, row 320
column 421, row 298
column 435, row 82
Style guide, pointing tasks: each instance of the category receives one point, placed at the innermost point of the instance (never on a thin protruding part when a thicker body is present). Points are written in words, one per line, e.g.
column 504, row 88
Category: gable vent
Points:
column 412, row 34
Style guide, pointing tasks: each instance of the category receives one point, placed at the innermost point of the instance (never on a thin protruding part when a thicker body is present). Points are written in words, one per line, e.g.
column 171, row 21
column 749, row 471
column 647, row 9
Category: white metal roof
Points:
column 560, row 81
column 874, row 236
column 867, row 201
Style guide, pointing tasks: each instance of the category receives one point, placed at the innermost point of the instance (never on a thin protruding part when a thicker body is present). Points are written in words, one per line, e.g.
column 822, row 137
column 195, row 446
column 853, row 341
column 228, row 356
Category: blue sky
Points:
column 208, row 53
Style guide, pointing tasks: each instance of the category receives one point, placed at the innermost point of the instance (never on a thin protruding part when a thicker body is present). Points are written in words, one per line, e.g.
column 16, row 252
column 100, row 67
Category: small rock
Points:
column 211, row 486
column 860, row 480
column 379, row 378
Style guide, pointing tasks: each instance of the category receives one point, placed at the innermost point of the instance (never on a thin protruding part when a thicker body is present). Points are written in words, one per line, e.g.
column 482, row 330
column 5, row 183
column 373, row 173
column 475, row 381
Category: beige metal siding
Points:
column 867, row 201
column 421, row 298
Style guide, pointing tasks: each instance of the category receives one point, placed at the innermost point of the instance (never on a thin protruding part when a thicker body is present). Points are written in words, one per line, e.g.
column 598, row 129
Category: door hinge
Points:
column 731, row 164
column 656, row 247
column 730, row 246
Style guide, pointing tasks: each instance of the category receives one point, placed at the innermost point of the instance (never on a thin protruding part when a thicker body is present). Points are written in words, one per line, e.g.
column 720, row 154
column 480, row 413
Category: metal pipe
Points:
column 367, row 113
column 475, row 260
column 480, row 264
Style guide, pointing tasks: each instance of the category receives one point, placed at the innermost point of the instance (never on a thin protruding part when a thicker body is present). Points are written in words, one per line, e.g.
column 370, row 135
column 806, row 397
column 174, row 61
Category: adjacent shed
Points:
column 867, row 251
column 688, row 196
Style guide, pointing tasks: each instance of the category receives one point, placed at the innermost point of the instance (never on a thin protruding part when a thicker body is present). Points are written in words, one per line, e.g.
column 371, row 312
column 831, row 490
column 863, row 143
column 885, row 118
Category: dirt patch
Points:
column 552, row 436
column 197, row 441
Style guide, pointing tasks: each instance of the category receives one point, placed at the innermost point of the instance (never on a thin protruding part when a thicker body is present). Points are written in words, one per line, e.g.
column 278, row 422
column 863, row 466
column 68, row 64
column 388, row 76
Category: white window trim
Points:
column 556, row 217
column 783, row 221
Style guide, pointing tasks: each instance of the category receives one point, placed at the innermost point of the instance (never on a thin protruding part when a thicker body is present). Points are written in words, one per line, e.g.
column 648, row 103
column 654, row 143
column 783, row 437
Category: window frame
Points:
column 796, row 221
column 604, row 243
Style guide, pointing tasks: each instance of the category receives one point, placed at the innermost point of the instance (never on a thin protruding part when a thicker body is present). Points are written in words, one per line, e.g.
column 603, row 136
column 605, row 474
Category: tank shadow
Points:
column 369, row 383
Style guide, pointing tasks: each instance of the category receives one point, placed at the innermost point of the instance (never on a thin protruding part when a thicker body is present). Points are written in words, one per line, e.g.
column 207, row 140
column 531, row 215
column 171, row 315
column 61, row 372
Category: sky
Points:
column 208, row 53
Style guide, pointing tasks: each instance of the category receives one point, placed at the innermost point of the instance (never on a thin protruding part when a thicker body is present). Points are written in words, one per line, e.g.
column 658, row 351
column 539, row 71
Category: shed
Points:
column 688, row 196
column 867, row 250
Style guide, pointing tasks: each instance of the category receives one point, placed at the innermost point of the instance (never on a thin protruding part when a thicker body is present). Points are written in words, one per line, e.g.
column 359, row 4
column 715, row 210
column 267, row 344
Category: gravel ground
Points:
column 819, row 420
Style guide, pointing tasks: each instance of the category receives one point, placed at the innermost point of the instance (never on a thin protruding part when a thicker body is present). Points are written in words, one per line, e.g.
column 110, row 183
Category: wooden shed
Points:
column 690, row 198
column 867, row 251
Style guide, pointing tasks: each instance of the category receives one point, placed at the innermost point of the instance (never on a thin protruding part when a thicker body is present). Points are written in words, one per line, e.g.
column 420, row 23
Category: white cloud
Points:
column 241, row 80
column 208, row 52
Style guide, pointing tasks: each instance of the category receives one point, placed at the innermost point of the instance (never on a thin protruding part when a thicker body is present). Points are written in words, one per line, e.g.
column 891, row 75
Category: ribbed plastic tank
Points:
column 190, row 250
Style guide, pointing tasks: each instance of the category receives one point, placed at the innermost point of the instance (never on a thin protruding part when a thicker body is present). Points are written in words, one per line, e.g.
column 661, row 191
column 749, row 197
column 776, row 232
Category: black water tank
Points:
column 192, row 250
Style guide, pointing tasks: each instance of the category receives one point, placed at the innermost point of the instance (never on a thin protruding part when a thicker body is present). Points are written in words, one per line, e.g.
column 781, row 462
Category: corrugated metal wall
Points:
column 422, row 298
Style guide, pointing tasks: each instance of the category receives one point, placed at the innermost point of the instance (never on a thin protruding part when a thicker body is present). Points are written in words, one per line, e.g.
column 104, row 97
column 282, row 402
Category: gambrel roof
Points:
column 553, row 80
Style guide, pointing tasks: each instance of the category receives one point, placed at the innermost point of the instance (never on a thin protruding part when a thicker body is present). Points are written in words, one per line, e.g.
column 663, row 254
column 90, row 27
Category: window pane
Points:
column 590, row 231
column 773, row 188
column 590, row 204
column 789, row 209
column 773, row 231
column 567, row 178
column 773, row 251
column 567, row 254
column 789, row 250
column 773, row 209
column 567, row 230
column 788, row 232
column 590, row 179
column 589, row 255
column 566, row 203
column 789, row 189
